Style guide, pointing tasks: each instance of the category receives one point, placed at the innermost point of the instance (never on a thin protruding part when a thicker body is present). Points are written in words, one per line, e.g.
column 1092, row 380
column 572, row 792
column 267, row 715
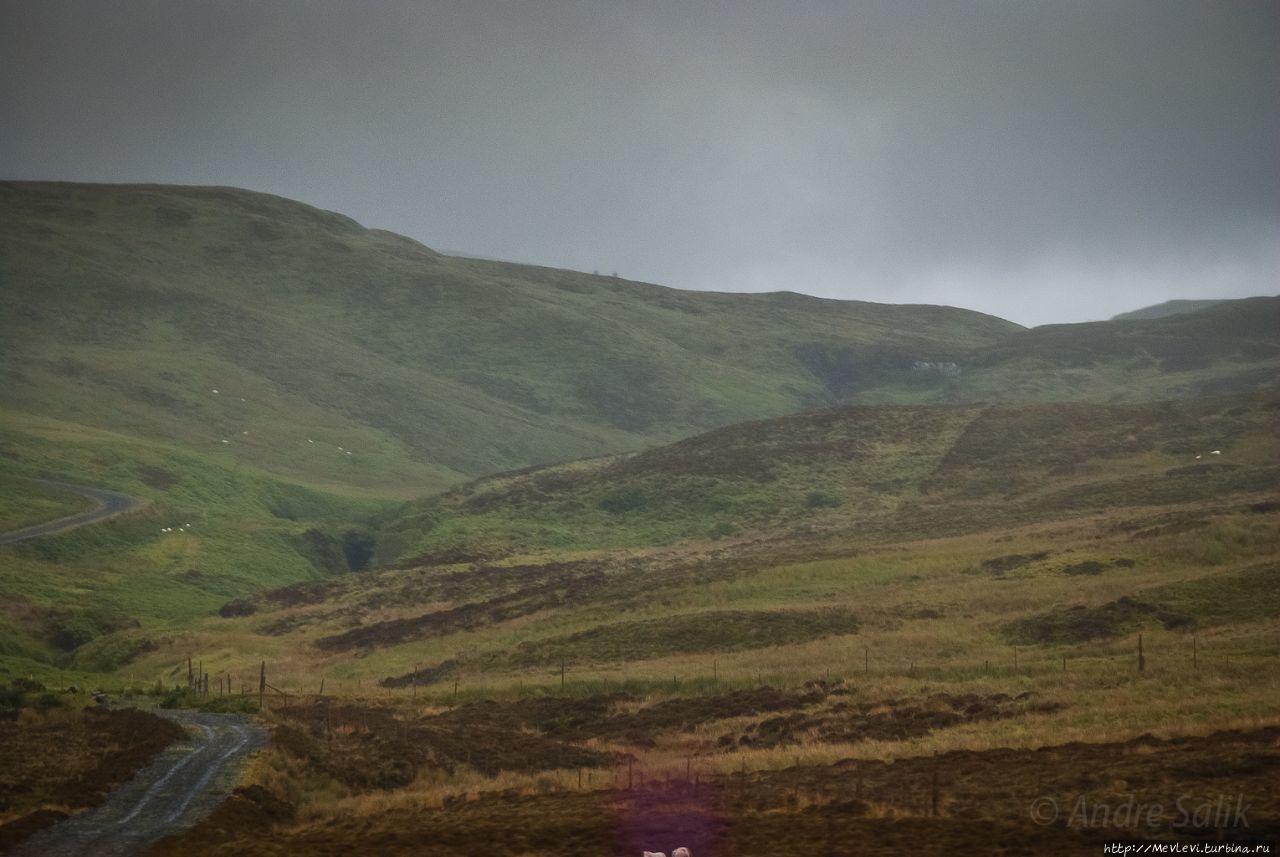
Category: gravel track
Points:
column 179, row 788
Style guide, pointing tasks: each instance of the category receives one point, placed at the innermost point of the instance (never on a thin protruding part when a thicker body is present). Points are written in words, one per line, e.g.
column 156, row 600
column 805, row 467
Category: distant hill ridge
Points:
column 1168, row 308
column 269, row 332
column 128, row 305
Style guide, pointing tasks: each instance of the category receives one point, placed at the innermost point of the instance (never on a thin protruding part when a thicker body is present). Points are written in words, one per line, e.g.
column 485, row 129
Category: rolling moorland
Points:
column 925, row 665
column 810, row 573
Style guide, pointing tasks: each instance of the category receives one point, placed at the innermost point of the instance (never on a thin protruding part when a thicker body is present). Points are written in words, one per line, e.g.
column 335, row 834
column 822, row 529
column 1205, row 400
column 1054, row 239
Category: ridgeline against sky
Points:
column 1039, row 161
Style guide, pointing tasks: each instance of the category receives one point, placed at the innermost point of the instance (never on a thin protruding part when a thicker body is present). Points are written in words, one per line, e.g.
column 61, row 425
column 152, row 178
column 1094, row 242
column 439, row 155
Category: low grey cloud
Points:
column 1040, row 161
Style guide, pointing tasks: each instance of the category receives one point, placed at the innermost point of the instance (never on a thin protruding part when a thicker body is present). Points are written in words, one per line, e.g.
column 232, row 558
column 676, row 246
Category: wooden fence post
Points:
column 933, row 788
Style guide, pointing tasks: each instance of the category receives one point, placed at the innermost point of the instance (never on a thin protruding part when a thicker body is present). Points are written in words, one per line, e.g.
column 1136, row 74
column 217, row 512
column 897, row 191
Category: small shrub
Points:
column 46, row 701
column 722, row 529
column 1089, row 566
column 622, row 501
column 821, row 500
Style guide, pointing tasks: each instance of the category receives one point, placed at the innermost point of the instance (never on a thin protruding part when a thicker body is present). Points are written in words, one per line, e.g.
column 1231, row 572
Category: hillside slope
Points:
column 1161, row 310
column 1229, row 347
column 208, row 531
column 938, row 533
column 276, row 334
column 882, row 472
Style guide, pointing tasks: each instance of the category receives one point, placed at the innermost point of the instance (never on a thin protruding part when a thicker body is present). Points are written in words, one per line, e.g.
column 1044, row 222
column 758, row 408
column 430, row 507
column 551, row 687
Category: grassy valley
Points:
column 211, row 529
column 553, row 562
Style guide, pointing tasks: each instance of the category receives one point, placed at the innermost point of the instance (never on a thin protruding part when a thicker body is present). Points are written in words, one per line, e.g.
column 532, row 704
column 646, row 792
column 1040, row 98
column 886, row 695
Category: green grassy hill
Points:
column 1230, row 347
column 275, row 375
column 1161, row 310
column 272, row 333
column 268, row 372
column 210, row 530
column 345, row 356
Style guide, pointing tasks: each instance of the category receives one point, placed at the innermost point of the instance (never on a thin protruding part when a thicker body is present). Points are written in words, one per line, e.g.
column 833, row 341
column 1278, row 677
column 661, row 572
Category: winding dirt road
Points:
column 180, row 787
column 109, row 505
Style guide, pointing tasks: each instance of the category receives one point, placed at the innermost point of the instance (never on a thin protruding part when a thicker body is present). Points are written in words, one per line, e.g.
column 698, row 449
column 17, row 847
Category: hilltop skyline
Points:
column 1044, row 163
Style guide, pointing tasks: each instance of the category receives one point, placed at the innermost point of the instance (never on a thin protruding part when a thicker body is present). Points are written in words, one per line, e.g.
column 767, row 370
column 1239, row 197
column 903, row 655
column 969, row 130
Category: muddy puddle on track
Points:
column 177, row 789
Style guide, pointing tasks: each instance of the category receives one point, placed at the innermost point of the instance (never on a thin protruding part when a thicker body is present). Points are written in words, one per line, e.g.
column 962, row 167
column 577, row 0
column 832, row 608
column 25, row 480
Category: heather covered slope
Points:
column 902, row 551
column 882, row 472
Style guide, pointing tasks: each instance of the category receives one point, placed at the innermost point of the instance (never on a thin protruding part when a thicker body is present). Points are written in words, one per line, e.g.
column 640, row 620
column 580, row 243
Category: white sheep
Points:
column 1216, row 452
column 681, row 852
column 654, row 854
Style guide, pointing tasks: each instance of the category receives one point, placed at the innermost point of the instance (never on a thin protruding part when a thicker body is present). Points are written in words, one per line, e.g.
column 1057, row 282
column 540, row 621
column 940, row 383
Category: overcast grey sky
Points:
column 1042, row 161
